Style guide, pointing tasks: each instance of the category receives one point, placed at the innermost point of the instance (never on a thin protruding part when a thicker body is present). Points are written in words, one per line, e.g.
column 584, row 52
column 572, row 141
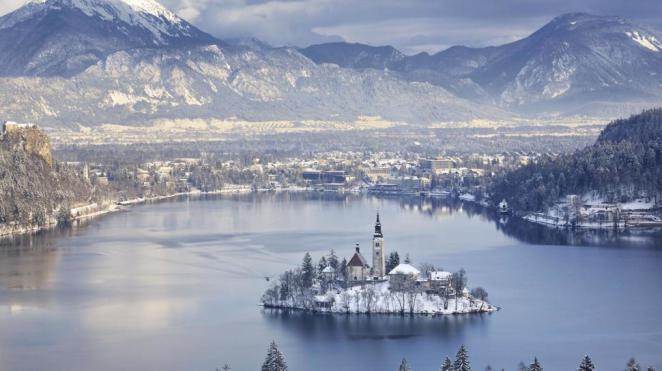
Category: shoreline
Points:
column 489, row 310
column 108, row 208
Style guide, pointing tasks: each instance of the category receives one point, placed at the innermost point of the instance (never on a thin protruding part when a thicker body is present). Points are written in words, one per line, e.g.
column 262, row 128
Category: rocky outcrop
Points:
column 29, row 138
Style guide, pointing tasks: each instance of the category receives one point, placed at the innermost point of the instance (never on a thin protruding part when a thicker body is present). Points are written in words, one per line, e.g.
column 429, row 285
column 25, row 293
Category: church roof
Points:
column 405, row 268
column 357, row 260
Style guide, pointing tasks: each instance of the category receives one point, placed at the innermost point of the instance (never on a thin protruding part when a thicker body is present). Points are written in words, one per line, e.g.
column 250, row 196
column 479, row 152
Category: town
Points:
column 381, row 285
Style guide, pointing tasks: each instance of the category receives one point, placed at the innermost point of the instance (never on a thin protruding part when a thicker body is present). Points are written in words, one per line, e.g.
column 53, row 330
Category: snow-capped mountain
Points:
column 138, row 86
column 63, row 37
column 129, row 62
column 576, row 63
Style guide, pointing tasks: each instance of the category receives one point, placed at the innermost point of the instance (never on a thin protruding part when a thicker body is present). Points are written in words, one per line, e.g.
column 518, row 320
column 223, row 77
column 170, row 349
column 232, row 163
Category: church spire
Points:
column 378, row 227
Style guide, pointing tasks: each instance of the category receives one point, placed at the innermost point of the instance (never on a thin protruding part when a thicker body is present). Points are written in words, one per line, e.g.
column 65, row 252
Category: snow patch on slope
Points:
column 648, row 42
column 146, row 14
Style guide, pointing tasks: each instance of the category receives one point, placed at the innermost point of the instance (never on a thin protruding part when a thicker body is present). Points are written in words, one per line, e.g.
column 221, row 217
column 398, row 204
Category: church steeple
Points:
column 378, row 227
column 378, row 261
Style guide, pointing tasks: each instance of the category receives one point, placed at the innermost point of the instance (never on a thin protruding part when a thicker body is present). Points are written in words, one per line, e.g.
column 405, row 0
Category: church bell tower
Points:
column 378, row 262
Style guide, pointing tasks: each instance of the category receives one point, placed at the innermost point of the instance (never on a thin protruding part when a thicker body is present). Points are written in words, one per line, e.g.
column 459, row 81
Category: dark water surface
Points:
column 175, row 286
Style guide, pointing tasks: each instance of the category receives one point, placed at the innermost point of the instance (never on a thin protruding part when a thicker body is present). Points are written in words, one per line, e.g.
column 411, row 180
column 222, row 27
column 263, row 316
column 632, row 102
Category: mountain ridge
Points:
column 572, row 56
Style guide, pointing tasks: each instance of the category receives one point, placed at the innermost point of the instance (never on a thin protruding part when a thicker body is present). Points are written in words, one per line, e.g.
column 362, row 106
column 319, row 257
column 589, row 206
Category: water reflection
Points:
column 374, row 327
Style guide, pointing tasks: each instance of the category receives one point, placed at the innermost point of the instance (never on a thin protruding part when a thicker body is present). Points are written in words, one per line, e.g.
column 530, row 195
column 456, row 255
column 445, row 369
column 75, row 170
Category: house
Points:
column 402, row 275
column 358, row 267
column 439, row 282
column 328, row 274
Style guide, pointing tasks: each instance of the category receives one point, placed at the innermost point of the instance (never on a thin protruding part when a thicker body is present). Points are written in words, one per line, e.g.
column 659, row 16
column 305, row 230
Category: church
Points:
column 358, row 267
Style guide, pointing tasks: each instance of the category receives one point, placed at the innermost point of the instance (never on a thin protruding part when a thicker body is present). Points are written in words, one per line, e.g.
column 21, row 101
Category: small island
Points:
column 386, row 286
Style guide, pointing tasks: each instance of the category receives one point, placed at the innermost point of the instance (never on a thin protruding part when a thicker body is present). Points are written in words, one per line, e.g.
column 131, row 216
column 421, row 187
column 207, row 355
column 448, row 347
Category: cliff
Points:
column 28, row 138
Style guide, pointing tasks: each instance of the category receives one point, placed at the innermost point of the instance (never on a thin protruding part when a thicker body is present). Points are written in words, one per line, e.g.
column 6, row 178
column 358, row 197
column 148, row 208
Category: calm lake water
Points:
column 176, row 286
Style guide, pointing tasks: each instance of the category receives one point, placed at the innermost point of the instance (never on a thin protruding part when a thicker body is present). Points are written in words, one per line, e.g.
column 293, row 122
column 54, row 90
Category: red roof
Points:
column 357, row 260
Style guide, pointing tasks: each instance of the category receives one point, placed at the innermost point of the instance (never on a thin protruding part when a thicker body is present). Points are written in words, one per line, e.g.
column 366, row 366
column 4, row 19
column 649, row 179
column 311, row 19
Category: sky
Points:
column 410, row 25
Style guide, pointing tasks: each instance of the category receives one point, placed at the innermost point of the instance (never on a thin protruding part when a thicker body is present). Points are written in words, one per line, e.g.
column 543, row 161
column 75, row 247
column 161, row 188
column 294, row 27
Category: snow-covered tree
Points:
column 586, row 365
column 333, row 259
column 307, row 271
column 321, row 265
column 462, row 360
column 447, row 365
column 404, row 366
column 275, row 360
column 632, row 365
column 535, row 366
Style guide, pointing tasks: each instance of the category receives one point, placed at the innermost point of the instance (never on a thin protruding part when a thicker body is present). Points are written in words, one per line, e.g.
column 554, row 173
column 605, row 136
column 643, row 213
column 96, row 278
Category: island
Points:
column 383, row 286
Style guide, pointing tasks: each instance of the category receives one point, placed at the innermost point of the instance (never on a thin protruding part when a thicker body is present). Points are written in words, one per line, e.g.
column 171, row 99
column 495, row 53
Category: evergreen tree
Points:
column 342, row 270
column 447, row 365
column 632, row 365
column 462, row 360
column 321, row 265
column 586, row 365
column 307, row 271
column 404, row 366
column 650, row 368
column 275, row 360
column 392, row 261
column 333, row 260
column 535, row 366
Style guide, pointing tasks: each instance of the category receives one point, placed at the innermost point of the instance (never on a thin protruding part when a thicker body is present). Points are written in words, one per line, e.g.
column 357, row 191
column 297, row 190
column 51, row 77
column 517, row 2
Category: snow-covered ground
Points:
column 378, row 298
column 591, row 211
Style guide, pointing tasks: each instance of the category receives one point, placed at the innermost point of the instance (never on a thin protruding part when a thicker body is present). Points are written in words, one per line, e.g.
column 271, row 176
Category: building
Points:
column 436, row 166
column 402, row 275
column 378, row 260
column 377, row 173
column 358, row 267
column 439, row 282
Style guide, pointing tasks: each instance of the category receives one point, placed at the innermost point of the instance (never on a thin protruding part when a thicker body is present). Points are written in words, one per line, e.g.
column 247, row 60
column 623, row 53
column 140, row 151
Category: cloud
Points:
column 7, row 6
column 411, row 25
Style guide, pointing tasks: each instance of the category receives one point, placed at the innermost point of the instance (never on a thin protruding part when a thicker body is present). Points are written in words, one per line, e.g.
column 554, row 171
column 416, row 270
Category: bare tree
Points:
column 369, row 297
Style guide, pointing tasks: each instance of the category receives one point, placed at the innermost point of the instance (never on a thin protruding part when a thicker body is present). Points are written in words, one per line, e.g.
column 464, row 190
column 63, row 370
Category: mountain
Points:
column 63, row 37
column 623, row 164
column 358, row 56
column 140, row 86
column 577, row 63
column 132, row 62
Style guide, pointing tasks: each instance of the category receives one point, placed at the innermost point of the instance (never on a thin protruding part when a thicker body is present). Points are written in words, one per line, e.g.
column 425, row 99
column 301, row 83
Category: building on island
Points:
column 402, row 276
column 378, row 260
column 358, row 267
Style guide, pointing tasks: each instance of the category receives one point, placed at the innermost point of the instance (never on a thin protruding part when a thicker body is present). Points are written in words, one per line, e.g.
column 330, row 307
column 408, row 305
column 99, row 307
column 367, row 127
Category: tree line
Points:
column 275, row 361
column 624, row 163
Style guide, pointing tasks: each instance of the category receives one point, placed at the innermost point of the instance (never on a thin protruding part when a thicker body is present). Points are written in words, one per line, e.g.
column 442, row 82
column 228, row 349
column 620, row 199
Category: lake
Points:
column 176, row 286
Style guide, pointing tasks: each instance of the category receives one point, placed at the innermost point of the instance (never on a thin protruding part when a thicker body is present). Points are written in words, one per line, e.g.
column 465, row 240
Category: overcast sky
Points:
column 410, row 25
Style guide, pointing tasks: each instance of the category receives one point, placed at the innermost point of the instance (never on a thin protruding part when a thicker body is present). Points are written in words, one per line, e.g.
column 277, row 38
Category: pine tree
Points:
column 321, row 265
column 632, row 365
column 307, row 271
column 275, row 360
column 447, row 365
column 404, row 366
column 333, row 259
column 586, row 365
column 535, row 366
column 462, row 360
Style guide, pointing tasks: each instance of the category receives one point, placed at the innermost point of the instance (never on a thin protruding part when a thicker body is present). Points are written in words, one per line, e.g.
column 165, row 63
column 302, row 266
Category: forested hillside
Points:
column 624, row 163
column 32, row 189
